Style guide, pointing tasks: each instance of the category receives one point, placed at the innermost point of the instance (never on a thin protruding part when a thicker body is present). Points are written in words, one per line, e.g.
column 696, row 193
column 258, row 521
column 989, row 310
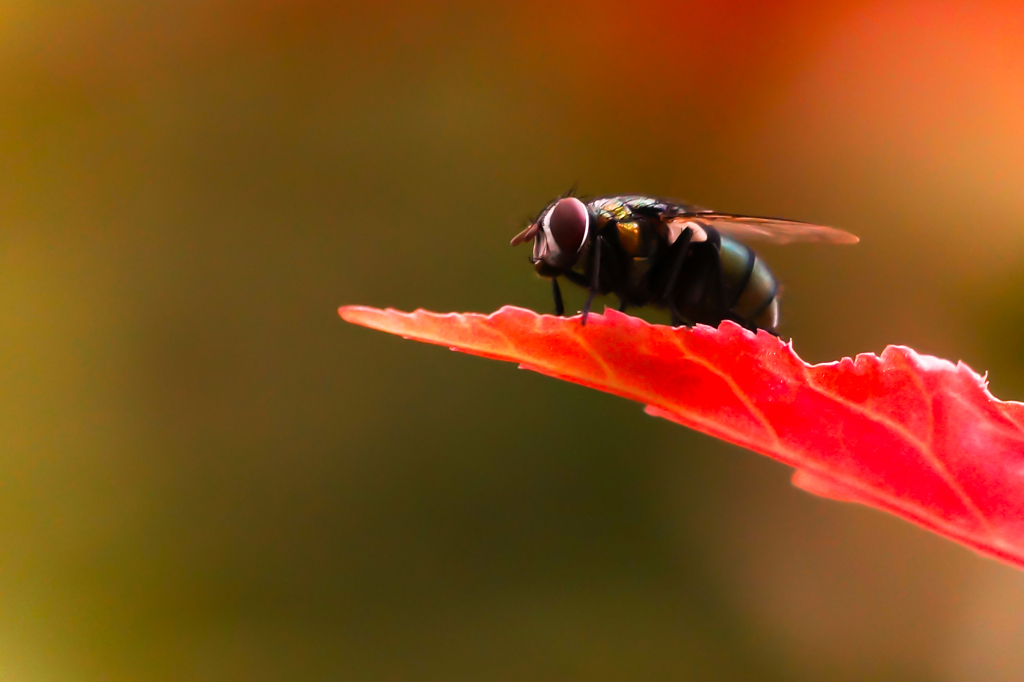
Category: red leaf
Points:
column 912, row 434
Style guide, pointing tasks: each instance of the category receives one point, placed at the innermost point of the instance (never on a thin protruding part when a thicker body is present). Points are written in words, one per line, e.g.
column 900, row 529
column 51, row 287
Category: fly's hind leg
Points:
column 680, row 250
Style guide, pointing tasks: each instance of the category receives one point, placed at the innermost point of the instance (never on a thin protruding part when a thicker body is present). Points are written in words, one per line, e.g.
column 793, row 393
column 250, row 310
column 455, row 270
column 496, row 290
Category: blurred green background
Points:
column 206, row 475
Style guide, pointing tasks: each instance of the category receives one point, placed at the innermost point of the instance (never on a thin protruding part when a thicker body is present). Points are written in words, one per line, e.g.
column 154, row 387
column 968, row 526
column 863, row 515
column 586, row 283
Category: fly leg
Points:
column 681, row 246
column 559, row 306
column 576, row 278
column 594, row 281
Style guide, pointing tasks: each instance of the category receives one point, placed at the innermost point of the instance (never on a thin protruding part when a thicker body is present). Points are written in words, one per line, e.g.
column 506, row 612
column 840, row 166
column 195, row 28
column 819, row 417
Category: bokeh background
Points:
column 206, row 475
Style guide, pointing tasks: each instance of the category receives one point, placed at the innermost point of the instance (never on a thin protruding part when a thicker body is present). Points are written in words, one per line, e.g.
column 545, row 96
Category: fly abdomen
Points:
column 750, row 287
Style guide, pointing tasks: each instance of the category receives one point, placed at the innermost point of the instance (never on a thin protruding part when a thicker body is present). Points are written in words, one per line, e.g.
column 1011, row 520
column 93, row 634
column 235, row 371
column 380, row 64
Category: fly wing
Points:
column 776, row 230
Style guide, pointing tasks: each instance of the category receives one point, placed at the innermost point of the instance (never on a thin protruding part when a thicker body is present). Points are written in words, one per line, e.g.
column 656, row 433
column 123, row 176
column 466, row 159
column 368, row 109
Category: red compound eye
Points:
column 568, row 222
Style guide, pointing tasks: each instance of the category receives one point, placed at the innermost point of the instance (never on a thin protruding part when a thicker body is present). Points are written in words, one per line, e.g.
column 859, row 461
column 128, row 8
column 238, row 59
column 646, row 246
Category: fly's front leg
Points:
column 559, row 306
column 576, row 278
column 595, row 274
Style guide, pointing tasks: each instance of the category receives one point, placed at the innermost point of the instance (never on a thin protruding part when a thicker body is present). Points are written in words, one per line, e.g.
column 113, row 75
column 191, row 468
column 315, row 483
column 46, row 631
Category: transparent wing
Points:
column 776, row 230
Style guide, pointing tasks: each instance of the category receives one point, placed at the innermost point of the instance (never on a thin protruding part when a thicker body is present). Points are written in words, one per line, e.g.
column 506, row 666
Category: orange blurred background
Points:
column 206, row 475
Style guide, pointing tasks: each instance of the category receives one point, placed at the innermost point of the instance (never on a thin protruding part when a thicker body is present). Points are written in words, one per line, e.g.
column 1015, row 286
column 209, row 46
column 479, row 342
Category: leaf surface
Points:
column 912, row 434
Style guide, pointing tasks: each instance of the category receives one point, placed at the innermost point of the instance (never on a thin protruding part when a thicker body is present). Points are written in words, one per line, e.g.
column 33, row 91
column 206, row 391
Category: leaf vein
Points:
column 733, row 386
column 922, row 446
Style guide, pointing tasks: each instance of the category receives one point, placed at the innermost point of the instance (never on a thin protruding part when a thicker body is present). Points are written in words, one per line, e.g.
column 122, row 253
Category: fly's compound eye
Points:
column 565, row 229
column 568, row 222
